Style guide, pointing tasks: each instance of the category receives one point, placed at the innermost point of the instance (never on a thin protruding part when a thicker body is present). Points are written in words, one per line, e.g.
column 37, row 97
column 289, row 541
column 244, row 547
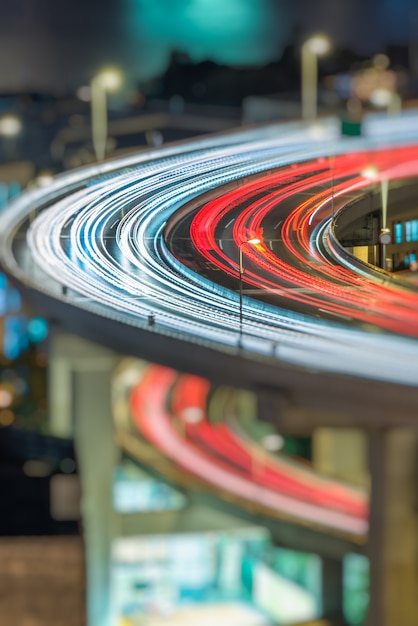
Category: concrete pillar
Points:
column 80, row 406
column 393, row 540
column 97, row 456
column 332, row 590
column 341, row 453
column 60, row 396
column 67, row 354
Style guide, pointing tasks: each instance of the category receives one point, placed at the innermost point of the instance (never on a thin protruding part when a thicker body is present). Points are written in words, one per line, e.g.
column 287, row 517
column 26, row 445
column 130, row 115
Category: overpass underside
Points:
column 80, row 399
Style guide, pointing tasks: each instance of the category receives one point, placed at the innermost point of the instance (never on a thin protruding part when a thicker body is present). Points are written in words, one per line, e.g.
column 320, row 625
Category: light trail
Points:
column 105, row 233
column 220, row 458
column 332, row 288
column 102, row 233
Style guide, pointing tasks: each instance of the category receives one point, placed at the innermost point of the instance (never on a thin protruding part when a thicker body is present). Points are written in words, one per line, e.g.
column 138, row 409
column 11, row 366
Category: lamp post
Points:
column 269, row 443
column 312, row 48
column 190, row 415
column 384, row 95
column 105, row 81
column 10, row 128
column 385, row 237
column 386, row 98
column 253, row 242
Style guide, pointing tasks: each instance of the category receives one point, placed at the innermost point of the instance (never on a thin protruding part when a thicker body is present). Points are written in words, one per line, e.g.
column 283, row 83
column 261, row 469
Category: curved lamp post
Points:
column 105, row 81
column 312, row 48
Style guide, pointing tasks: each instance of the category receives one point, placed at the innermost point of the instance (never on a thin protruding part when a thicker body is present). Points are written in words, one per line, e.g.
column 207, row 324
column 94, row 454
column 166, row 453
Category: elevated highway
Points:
column 148, row 255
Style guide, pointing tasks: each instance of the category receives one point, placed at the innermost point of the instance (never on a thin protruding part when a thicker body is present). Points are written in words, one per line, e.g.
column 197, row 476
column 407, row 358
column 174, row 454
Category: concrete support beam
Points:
column 332, row 590
column 97, row 455
column 80, row 405
column 341, row 453
column 393, row 543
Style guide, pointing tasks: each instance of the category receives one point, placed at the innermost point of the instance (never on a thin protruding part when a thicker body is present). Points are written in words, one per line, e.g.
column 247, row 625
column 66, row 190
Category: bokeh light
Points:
column 67, row 466
column 10, row 125
column 273, row 442
column 192, row 414
column 83, row 93
column 110, row 79
column 6, row 397
column 6, row 417
column 37, row 329
column 318, row 44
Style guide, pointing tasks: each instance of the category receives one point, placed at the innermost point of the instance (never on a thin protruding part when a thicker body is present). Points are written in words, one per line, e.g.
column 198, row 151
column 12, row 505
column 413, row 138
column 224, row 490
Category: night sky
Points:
column 58, row 45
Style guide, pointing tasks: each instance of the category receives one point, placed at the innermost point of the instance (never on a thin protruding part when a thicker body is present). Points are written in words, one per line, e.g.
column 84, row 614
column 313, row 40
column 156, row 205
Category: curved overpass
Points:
column 170, row 411
column 99, row 249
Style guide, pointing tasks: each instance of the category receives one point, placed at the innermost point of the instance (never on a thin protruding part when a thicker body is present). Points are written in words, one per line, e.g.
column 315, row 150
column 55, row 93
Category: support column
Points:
column 97, row 456
column 60, row 395
column 332, row 590
column 80, row 394
column 393, row 541
column 341, row 453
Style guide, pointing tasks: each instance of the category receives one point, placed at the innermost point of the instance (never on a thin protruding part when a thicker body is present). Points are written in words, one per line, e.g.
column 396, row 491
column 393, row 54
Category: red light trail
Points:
column 305, row 197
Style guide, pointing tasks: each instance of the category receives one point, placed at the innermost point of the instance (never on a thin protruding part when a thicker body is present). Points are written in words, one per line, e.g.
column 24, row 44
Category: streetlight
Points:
column 10, row 126
column 189, row 415
column 105, row 81
column 252, row 242
column 312, row 48
column 272, row 442
column 384, row 95
column 372, row 173
column 388, row 99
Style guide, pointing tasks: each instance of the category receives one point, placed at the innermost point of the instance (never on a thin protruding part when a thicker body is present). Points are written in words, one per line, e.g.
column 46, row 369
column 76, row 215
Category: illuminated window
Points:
column 4, row 195
column 136, row 492
column 355, row 588
column 14, row 190
column 8, row 192
column 408, row 231
column 398, row 234
column 11, row 340
column 414, row 230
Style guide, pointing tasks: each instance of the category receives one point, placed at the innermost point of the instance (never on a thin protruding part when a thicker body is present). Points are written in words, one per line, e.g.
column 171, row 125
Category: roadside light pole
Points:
column 312, row 48
column 106, row 81
column 386, row 98
column 253, row 242
column 385, row 237
column 10, row 125
column 10, row 128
